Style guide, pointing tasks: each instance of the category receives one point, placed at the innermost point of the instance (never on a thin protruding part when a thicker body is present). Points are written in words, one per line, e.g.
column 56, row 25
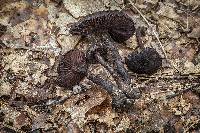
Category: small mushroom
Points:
column 72, row 68
column 148, row 61
column 118, row 24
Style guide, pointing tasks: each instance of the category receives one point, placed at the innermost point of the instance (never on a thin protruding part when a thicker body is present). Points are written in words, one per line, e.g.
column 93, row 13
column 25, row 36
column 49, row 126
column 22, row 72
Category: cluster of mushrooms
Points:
column 104, row 30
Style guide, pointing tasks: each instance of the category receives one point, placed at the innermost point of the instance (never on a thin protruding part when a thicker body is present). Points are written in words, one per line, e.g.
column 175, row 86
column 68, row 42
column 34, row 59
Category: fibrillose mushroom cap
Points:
column 148, row 61
column 116, row 23
column 72, row 68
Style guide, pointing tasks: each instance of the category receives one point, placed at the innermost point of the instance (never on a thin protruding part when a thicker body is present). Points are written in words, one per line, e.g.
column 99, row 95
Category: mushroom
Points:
column 144, row 60
column 104, row 30
column 118, row 24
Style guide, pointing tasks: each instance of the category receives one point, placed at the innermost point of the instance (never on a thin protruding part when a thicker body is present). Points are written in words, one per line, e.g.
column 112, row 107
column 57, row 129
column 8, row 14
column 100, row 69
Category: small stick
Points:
column 104, row 83
column 182, row 91
column 56, row 101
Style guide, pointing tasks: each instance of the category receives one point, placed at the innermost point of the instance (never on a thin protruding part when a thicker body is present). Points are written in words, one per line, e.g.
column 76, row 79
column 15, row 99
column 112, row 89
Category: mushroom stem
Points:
column 126, row 89
column 115, row 58
column 109, row 69
column 119, row 98
column 111, row 88
column 114, row 65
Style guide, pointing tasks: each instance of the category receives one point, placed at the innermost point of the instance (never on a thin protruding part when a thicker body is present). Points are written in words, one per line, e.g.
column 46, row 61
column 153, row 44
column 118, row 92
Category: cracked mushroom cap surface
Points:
column 72, row 68
column 116, row 23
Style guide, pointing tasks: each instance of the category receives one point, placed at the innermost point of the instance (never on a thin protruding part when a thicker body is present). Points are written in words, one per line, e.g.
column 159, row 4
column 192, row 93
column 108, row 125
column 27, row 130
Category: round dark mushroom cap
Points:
column 116, row 23
column 148, row 61
column 72, row 68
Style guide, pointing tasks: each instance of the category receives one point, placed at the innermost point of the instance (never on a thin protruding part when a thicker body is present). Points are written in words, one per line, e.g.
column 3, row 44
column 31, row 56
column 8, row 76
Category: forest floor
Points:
column 34, row 33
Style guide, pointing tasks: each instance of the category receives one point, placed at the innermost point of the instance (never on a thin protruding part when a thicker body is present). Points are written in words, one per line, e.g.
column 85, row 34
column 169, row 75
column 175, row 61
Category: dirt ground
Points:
column 33, row 33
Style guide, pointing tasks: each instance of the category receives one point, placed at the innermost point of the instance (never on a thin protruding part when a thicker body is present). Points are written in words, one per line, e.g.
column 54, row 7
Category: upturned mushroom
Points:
column 72, row 68
column 116, row 23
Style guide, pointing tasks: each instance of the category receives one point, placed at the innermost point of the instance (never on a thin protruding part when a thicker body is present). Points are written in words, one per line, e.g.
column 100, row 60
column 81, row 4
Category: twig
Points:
column 170, row 77
column 187, row 14
column 182, row 91
column 57, row 101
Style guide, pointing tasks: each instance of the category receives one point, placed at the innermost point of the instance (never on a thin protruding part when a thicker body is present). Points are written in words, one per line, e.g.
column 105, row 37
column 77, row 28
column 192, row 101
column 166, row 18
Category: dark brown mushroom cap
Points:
column 118, row 24
column 72, row 68
column 148, row 61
